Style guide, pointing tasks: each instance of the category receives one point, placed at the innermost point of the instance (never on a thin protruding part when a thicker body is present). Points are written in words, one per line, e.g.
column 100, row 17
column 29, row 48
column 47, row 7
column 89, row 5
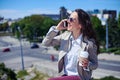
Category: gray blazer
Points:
column 52, row 39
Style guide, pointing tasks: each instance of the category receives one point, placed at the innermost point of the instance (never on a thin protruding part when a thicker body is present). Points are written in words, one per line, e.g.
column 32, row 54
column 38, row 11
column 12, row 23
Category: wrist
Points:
column 55, row 29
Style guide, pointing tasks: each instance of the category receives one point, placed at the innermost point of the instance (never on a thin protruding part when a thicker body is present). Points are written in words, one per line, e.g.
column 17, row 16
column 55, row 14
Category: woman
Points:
column 78, row 37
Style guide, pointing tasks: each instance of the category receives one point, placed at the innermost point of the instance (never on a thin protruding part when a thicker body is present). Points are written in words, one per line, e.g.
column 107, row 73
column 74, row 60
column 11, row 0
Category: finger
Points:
column 85, row 64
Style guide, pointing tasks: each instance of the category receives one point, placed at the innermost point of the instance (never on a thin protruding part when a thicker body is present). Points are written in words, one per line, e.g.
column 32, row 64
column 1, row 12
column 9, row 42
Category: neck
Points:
column 76, row 34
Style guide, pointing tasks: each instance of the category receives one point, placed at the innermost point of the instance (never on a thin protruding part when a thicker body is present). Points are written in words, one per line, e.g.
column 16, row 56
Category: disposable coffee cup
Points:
column 83, row 54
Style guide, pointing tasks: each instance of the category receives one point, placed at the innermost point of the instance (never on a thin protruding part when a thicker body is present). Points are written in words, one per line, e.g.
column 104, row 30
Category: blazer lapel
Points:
column 84, row 43
column 66, row 45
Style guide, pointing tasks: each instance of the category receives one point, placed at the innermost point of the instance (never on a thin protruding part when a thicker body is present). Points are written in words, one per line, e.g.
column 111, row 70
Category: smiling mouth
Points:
column 69, row 25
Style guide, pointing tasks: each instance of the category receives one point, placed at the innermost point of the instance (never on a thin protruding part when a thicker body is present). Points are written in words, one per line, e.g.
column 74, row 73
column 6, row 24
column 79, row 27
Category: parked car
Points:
column 6, row 50
column 34, row 45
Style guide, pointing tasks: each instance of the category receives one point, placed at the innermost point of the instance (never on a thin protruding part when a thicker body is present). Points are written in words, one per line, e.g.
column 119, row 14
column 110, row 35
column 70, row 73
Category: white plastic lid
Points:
column 84, row 54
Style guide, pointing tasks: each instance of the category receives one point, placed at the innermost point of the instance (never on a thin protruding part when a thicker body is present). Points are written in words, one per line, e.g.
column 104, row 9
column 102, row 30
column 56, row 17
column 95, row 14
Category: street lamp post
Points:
column 22, row 59
column 105, row 17
column 106, row 35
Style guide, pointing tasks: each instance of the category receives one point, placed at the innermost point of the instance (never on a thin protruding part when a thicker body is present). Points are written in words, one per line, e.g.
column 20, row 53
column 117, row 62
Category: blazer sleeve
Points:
column 51, row 38
column 93, row 59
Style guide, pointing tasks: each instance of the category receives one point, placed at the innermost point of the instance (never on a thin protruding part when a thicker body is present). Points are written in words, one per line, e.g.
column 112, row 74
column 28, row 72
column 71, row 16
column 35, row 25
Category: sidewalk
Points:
column 107, row 56
column 99, row 73
column 50, row 68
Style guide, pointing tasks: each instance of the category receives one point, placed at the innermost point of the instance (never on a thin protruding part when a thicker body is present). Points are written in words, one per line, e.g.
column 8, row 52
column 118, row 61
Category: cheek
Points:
column 73, row 26
column 69, row 28
column 77, row 26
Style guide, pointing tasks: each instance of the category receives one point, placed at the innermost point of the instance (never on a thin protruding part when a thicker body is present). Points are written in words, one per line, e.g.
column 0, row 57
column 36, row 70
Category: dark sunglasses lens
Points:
column 71, row 19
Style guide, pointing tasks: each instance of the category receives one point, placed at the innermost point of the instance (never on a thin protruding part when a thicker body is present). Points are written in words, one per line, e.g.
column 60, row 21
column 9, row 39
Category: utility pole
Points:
column 106, row 36
column 22, row 59
column 105, row 17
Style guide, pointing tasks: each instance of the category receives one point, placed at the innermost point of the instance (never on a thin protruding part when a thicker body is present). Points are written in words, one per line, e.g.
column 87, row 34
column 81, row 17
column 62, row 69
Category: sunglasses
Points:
column 71, row 19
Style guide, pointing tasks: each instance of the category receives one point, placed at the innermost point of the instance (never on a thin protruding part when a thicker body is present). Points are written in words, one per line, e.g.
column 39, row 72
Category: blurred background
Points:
column 24, row 23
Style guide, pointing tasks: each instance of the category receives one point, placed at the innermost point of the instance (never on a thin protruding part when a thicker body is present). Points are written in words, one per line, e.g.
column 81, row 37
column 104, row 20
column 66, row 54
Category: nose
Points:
column 68, row 21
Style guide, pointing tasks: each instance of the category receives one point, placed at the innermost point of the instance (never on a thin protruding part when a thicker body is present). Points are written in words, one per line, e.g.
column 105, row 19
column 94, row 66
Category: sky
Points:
column 20, row 8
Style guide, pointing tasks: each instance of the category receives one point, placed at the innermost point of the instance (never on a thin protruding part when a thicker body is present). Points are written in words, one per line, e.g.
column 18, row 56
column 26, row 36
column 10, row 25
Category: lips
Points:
column 69, row 25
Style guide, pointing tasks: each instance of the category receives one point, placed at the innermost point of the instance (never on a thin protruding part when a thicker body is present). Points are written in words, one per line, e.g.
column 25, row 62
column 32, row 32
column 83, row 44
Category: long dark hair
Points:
column 87, row 29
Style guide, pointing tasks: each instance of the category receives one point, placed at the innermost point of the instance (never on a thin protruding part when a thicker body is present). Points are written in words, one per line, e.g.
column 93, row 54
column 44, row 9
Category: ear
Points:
column 80, row 26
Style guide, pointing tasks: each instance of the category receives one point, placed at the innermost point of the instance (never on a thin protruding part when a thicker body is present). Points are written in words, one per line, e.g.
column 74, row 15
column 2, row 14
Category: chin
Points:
column 69, row 28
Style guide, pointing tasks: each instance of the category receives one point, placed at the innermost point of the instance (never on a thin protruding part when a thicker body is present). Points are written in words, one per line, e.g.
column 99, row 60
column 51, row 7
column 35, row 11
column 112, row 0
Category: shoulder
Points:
column 88, row 41
column 92, row 43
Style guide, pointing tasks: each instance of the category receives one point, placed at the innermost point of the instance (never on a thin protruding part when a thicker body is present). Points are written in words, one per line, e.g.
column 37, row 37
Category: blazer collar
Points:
column 84, row 43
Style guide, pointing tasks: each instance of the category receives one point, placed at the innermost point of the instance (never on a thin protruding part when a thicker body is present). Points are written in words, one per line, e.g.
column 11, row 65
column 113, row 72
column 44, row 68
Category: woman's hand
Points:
column 83, row 61
column 60, row 25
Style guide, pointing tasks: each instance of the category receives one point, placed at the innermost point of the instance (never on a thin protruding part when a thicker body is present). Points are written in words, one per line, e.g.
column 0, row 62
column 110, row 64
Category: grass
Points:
column 22, row 73
column 108, row 78
column 111, row 50
column 40, row 76
column 5, row 34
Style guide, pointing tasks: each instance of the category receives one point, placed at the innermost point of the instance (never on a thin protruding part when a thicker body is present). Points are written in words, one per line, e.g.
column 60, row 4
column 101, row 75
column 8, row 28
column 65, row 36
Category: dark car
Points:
column 6, row 50
column 34, row 46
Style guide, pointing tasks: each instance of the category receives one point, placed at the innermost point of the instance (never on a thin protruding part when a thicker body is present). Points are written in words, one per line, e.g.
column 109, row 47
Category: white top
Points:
column 71, row 58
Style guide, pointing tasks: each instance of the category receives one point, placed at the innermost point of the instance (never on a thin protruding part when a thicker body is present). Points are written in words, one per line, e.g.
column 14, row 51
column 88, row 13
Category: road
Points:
column 13, row 58
column 41, row 53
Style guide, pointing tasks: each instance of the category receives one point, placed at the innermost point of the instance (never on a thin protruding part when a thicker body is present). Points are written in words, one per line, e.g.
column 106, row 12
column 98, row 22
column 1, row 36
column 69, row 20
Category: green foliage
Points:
column 11, row 75
column 5, row 34
column 99, row 29
column 57, row 47
column 114, row 33
column 22, row 73
column 113, row 28
column 102, row 50
column 33, row 26
column 14, row 27
column 119, row 20
column 117, row 52
column 111, row 50
column 108, row 78
column 40, row 76
column 4, row 26
column 95, row 21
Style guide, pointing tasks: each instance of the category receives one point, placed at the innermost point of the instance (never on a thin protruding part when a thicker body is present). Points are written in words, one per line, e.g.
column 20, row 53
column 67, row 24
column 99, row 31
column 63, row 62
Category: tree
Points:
column 14, row 28
column 99, row 29
column 47, row 23
column 34, row 26
column 119, row 20
column 114, row 33
column 4, row 26
column 31, row 25
column 6, row 73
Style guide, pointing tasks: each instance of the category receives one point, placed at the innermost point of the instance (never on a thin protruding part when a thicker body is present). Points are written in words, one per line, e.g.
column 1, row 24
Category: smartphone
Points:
column 65, row 24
